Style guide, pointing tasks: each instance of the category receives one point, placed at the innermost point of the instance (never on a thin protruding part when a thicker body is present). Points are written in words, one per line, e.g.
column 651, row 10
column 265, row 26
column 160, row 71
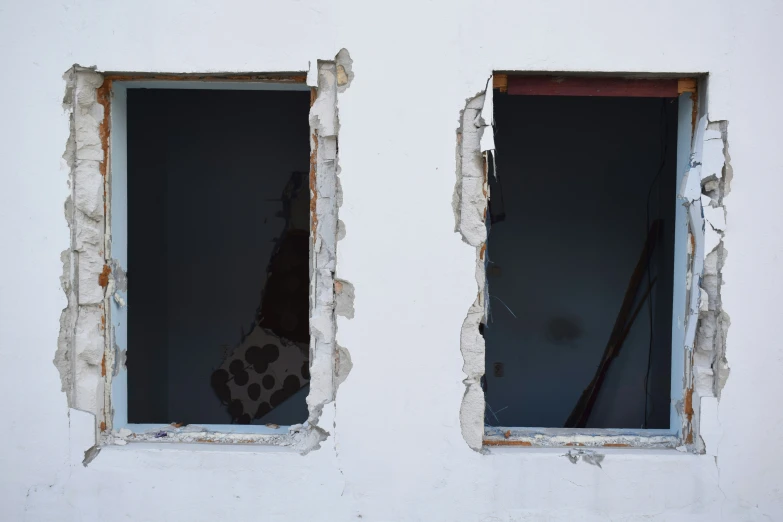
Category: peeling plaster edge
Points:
column 85, row 159
column 706, row 368
column 63, row 357
column 470, row 199
column 329, row 296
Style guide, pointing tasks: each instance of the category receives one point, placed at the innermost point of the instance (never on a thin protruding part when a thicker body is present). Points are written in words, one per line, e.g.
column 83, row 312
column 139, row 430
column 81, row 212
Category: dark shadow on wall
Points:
column 568, row 215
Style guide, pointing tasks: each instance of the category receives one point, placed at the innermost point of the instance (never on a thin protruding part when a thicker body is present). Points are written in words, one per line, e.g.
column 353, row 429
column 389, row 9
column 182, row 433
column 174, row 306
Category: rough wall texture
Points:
column 710, row 182
column 397, row 451
column 471, row 194
column 80, row 347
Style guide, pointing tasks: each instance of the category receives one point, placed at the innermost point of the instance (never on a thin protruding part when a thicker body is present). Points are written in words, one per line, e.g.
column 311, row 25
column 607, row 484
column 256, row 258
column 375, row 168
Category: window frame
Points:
column 118, row 221
column 691, row 126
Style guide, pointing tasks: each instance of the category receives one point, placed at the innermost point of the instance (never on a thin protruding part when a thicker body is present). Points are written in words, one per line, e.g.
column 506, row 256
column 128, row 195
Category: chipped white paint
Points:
column 709, row 425
column 397, row 451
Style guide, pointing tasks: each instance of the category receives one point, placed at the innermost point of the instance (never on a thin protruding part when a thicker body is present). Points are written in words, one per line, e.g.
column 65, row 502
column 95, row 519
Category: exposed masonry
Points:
column 704, row 188
column 86, row 346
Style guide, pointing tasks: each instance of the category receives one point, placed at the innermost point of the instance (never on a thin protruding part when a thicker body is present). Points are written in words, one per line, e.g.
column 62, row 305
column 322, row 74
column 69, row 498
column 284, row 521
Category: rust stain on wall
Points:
column 313, row 188
column 103, row 278
column 104, row 98
column 689, row 403
column 523, row 443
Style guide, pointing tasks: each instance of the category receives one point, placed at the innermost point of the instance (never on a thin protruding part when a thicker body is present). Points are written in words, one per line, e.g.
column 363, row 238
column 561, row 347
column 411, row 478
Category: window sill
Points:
column 580, row 437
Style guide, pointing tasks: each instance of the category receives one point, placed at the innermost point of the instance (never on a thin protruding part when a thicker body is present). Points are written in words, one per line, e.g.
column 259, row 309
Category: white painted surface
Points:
column 395, row 450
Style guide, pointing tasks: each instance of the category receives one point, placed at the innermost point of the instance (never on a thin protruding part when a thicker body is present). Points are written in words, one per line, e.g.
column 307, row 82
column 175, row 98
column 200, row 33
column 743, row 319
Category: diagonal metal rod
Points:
column 584, row 407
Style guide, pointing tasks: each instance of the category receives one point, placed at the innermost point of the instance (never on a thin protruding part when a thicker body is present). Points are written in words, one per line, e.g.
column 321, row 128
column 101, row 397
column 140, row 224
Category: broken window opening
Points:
column 581, row 256
column 218, row 256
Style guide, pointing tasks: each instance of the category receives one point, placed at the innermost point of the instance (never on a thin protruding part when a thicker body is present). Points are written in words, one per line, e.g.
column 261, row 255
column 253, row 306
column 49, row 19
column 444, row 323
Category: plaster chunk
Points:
column 344, row 297
column 711, row 263
column 471, row 415
column 709, row 425
column 702, row 380
column 323, row 117
column 344, row 70
column 343, row 367
column 88, row 188
column 716, row 217
column 88, row 233
column 704, row 300
column 712, row 158
column 711, row 238
column 89, row 335
column 706, row 332
column 91, row 265
column 321, row 376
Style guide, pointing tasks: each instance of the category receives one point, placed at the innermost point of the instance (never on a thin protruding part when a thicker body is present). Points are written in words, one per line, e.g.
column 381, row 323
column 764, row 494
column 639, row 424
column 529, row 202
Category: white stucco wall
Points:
column 395, row 450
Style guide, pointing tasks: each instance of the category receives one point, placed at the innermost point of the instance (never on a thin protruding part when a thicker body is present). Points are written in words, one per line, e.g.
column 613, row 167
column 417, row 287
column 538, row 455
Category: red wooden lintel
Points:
column 592, row 86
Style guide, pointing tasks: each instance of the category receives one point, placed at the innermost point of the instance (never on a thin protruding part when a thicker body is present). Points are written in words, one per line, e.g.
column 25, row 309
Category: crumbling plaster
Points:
column 397, row 452
column 704, row 190
column 92, row 278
